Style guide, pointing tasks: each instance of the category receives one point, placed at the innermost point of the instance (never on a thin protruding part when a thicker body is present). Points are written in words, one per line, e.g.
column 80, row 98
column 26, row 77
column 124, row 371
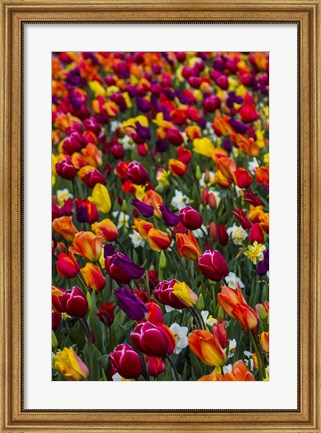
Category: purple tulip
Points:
column 263, row 266
column 134, row 308
column 146, row 210
column 109, row 250
column 238, row 126
column 169, row 217
column 122, row 269
column 142, row 131
column 161, row 145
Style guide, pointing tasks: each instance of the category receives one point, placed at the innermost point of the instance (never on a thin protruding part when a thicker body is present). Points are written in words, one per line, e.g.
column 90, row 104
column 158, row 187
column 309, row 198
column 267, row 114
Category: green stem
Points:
column 198, row 313
column 88, row 336
column 205, row 235
column 122, row 247
column 258, row 356
column 195, row 317
column 82, row 283
column 175, row 373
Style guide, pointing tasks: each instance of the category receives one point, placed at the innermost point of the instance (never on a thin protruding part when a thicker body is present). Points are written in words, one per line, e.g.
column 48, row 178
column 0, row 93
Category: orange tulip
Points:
column 226, row 165
column 262, row 175
column 240, row 373
column 93, row 276
column 158, row 240
column 92, row 155
column 221, row 180
column 187, row 246
column 87, row 245
column 105, row 228
column 64, row 227
column 234, row 304
column 207, row 348
column 152, row 198
column 142, row 227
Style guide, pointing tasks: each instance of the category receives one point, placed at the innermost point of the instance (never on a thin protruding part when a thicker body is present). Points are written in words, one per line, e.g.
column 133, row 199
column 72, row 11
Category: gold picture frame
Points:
column 307, row 15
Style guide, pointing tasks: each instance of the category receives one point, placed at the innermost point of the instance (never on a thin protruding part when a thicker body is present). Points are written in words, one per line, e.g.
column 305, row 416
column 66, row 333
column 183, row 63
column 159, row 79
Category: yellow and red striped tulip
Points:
column 207, row 348
column 87, row 245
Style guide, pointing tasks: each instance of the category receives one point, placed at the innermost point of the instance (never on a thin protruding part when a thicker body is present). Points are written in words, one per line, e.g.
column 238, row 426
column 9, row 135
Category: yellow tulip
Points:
column 70, row 365
column 101, row 198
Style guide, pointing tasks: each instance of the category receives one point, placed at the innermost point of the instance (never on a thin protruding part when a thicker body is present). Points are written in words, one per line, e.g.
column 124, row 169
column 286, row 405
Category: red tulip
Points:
column 126, row 361
column 67, row 265
column 153, row 340
column 191, row 219
column 213, row 265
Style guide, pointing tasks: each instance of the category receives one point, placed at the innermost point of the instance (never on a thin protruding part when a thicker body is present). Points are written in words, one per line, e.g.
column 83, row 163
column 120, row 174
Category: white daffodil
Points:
column 237, row 233
column 180, row 333
column 122, row 219
column 227, row 369
column 231, row 347
column 179, row 201
column 63, row 195
column 202, row 179
column 232, row 281
column 198, row 233
column 169, row 309
column 127, row 142
column 118, row 378
column 114, row 124
column 207, row 318
column 137, row 240
column 253, row 165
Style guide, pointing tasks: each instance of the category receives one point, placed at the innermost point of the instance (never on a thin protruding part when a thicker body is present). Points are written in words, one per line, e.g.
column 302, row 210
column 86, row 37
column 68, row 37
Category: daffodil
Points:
column 255, row 252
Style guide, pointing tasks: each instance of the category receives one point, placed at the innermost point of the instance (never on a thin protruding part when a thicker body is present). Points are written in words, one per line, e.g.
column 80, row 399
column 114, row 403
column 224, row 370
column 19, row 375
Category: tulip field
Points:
column 160, row 216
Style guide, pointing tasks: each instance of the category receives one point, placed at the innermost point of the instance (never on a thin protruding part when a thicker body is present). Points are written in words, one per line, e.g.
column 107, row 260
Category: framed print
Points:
column 160, row 199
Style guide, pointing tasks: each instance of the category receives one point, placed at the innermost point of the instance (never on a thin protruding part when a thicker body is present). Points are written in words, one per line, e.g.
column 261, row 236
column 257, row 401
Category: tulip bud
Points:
column 198, row 173
column 106, row 313
column 56, row 320
column 264, row 341
column 211, row 199
column 126, row 361
column 155, row 365
column 162, row 260
column 122, row 269
column 256, row 233
column 219, row 331
column 204, row 196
